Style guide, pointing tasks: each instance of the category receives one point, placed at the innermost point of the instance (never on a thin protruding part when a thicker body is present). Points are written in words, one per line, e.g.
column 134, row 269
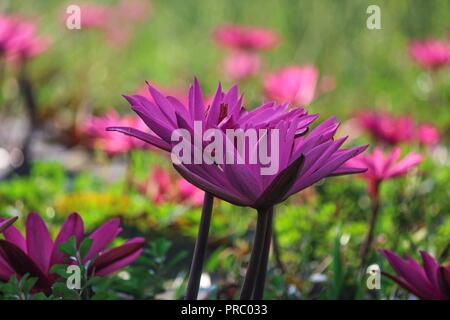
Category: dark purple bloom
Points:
column 303, row 159
column 430, row 281
column 36, row 253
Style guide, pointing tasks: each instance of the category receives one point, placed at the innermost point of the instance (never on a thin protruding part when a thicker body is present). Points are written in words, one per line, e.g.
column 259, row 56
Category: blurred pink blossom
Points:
column 430, row 53
column 387, row 128
column 240, row 65
column 114, row 20
column 94, row 130
column 95, row 16
column 135, row 10
column 162, row 187
column 382, row 167
column 294, row 84
column 190, row 193
column 428, row 134
column 245, row 37
column 19, row 39
column 395, row 129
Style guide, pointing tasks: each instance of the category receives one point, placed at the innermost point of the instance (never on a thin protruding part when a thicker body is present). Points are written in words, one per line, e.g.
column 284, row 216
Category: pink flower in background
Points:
column 190, row 193
column 294, row 84
column 430, row 53
column 245, row 37
column 19, row 39
column 94, row 16
column 382, row 167
column 162, row 187
column 431, row 281
column 387, row 128
column 240, row 65
column 115, row 21
column 95, row 130
column 428, row 134
column 36, row 253
column 134, row 10
column 160, row 183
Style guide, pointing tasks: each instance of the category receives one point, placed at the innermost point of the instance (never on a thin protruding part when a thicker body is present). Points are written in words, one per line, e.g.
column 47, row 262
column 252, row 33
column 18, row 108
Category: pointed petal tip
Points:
column 7, row 223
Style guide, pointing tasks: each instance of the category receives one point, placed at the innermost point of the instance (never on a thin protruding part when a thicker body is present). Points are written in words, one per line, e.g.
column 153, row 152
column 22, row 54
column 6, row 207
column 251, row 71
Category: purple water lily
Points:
column 36, row 253
column 429, row 282
column 303, row 159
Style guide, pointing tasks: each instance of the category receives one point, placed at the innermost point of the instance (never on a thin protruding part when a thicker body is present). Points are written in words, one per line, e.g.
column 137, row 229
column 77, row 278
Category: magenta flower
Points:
column 428, row 134
column 430, row 53
column 294, row 84
column 165, row 114
column 19, row 40
column 382, row 167
column 166, row 91
column 5, row 223
column 303, row 160
column 94, row 129
column 387, row 128
column 428, row 282
column 36, row 253
column 245, row 37
column 241, row 65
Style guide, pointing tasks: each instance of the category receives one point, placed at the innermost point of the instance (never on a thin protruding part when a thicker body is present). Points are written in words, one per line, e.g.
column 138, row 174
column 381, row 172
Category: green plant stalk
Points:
column 257, row 254
column 367, row 244
column 200, row 249
column 258, row 293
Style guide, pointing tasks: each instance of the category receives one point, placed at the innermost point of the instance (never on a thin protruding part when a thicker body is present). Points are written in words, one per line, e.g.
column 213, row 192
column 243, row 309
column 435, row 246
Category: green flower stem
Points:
column 257, row 254
column 200, row 249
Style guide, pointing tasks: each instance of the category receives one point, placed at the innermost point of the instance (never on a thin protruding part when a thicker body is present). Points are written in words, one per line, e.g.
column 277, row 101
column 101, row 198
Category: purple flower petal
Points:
column 39, row 242
column 103, row 236
column 118, row 257
column 146, row 137
column 73, row 226
column 5, row 223
column 413, row 275
column 22, row 264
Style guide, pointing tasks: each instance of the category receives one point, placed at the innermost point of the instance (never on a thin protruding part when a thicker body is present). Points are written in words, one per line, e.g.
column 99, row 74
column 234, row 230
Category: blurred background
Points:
column 56, row 158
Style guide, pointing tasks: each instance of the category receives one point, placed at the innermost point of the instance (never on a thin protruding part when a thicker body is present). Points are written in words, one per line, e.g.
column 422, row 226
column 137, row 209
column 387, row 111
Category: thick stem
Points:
column 367, row 244
column 258, row 293
column 26, row 91
column 256, row 256
column 200, row 249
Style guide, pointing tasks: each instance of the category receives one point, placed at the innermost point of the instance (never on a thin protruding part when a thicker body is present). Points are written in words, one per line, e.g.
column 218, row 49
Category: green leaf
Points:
column 69, row 247
column 85, row 246
column 60, row 270
column 60, row 290
column 28, row 284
